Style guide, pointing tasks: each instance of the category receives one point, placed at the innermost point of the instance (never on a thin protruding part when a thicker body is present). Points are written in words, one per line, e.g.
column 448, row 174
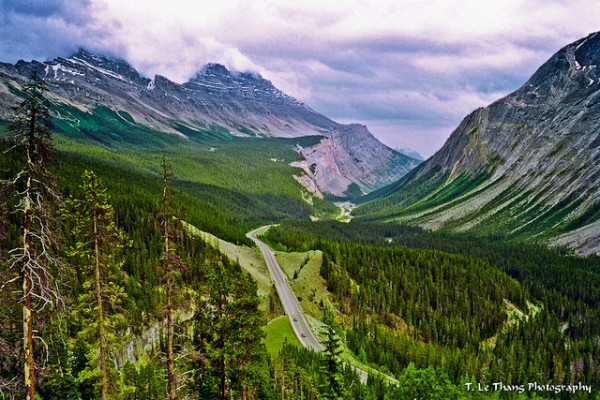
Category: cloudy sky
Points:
column 409, row 70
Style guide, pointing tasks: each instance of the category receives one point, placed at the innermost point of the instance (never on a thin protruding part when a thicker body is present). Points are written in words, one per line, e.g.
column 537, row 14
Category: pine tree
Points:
column 333, row 387
column 35, row 190
column 211, row 327
column 97, row 238
column 228, row 334
column 245, row 337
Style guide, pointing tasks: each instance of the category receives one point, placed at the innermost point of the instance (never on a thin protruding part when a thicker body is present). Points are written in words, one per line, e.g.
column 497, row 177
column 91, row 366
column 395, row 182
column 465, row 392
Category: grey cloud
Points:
column 378, row 86
column 68, row 10
column 33, row 29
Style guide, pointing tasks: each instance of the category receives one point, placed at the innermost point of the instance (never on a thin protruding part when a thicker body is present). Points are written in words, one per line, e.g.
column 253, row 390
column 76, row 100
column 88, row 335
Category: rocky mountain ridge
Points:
column 240, row 104
column 525, row 166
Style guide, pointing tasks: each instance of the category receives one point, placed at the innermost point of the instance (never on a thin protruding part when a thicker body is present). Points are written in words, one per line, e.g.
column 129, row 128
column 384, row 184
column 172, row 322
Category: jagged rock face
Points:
column 553, row 117
column 244, row 104
column 351, row 152
column 541, row 147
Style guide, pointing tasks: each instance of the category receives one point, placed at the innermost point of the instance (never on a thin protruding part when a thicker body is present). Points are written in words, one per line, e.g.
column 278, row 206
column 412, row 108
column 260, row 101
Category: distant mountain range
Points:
column 407, row 151
column 527, row 166
column 215, row 101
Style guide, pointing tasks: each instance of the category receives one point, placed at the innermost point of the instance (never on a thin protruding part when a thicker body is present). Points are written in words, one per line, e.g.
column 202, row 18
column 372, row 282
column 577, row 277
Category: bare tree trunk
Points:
column 223, row 382
column 202, row 365
column 29, row 362
column 32, row 135
column 101, row 333
column 29, row 365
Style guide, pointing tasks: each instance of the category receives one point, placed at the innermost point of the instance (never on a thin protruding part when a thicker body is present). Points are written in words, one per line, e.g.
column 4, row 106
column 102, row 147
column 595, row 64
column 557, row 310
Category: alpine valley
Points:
column 128, row 270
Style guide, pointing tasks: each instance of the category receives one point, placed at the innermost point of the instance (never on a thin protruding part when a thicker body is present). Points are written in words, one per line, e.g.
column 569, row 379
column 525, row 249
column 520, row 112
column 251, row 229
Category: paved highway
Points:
column 289, row 301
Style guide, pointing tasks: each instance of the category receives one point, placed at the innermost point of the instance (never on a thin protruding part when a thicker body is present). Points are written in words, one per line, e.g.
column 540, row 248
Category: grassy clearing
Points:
column 279, row 331
column 514, row 316
column 309, row 286
column 250, row 259
column 291, row 262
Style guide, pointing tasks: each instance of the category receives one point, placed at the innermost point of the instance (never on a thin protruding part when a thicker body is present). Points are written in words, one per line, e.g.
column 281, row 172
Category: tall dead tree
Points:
column 34, row 183
column 169, row 229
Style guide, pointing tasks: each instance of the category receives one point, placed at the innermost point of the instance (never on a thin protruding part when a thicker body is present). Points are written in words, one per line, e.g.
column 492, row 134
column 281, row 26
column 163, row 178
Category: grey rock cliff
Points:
column 350, row 151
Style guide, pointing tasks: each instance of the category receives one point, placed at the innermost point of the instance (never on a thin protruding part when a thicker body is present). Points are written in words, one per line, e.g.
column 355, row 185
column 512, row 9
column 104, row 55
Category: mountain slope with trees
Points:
column 216, row 103
column 109, row 335
column 469, row 310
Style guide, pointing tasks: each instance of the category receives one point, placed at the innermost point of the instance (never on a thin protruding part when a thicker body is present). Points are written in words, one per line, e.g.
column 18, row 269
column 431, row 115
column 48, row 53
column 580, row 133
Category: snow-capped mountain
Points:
column 241, row 104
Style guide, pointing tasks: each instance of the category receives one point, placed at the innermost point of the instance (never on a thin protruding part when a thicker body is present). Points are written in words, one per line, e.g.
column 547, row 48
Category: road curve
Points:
column 291, row 305
column 289, row 301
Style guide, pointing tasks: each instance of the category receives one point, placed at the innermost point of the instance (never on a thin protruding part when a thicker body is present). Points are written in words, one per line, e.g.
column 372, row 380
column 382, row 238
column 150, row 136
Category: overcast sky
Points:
column 409, row 70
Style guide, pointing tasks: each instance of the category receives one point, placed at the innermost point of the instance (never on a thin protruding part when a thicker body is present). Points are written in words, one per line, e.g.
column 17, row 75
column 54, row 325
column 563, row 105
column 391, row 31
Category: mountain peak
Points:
column 408, row 151
column 587, row 50
column 110, row 66
column 214, row 69
column 219, row 71
column 87, row 55
column 98, row 59
column 576, row 61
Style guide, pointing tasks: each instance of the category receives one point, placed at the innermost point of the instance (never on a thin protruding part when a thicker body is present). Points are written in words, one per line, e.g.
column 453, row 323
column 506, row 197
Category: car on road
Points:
column 303, row 335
